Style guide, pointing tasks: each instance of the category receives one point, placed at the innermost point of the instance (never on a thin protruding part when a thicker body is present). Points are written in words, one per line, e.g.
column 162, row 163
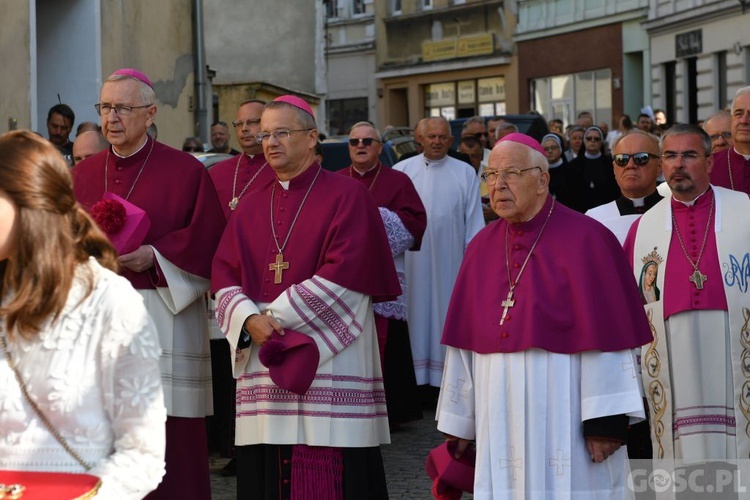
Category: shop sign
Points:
column 440, row 94
column 491, row 89
column 689, row 44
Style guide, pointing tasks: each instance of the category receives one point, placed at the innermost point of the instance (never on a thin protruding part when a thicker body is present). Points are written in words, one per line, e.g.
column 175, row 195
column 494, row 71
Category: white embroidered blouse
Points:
column 94, row 373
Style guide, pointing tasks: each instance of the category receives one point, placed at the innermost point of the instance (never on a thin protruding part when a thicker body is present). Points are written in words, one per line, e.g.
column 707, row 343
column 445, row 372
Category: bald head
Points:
column 88, row 144
column 437, row 138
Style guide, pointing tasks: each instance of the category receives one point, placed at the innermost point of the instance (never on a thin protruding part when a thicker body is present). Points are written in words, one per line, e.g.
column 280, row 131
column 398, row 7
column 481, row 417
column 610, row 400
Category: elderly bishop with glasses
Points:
column 539, row 370
column 690, row 257
column 295, row 276
column 160, row 209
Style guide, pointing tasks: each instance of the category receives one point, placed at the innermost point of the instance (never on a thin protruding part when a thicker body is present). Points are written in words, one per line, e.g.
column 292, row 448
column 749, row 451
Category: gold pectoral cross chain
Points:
column 507, row 304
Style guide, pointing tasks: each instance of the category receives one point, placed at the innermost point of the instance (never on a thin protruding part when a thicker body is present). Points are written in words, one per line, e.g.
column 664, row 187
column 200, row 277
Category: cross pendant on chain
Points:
column 278, row 267
column 507, row 304
column 233, row 203
column 698, row 279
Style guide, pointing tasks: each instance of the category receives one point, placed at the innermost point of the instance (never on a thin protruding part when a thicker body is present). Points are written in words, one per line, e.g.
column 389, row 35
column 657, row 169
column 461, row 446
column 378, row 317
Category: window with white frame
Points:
column 358, row 7
column 395, row 7
column 426, row 4
column 332, row 8
column 564, row 96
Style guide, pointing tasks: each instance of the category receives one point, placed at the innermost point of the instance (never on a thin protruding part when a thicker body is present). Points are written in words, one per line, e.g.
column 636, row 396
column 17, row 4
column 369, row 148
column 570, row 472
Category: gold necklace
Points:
column 279, row 265
column 697, row 278
column 106, row 171
column 236, row 198
column 380, row 167
column 509, row 302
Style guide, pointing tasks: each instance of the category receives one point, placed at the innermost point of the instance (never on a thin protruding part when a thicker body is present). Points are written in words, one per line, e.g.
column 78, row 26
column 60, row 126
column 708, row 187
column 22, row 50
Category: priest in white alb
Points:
column 539, row 369
column 449, row 190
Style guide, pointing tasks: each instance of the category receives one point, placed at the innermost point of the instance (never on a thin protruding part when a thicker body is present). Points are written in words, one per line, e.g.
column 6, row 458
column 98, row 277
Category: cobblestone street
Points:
column 404, row 462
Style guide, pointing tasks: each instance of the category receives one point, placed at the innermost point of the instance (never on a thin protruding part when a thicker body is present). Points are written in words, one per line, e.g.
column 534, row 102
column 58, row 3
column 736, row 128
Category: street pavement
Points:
column 404, row 462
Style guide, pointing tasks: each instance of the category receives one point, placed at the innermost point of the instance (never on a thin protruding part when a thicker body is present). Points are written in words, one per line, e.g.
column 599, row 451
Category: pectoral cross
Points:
column 698, row 279
column 233, row 203
column 507, row 304
column 278, row 267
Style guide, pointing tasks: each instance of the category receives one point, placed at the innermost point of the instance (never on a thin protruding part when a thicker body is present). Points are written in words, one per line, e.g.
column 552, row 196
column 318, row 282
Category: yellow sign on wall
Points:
column 475, row 45
column 435, row 51
column 466, row 46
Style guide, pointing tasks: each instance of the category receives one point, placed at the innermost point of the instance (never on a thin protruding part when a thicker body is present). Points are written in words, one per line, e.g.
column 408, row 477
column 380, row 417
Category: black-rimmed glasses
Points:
column 367, row 141
column 640, row 159
column 104, row 108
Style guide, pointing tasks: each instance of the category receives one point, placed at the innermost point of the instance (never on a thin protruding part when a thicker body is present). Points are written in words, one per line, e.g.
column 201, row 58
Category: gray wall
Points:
column 270, row 41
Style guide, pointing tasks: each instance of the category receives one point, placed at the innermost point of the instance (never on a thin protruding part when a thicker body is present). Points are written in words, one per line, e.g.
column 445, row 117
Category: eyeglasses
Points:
column 103, row 108
column 279, row 135
column 509, row 175
column 549, row 149
column 640, row 159
column 593, row 138
column 247, row 123
column 479, row 135
column 687, row 156
column 724, row 135
column 367, row 141
column 469, row 141
column 192, row 149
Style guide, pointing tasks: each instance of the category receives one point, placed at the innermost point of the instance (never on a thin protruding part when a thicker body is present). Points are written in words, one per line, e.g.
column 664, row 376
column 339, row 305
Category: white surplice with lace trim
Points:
column 95, row 374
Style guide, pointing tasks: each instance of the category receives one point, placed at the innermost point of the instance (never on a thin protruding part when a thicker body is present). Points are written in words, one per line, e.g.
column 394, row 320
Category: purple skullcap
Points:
column 296, row 102
column 525, row 140
column 134, row 73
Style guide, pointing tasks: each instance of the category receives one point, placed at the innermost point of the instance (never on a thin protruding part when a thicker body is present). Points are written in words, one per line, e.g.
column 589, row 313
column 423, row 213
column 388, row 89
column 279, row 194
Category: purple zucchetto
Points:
column 296, row 102
column 525, row 140
column 133, row 73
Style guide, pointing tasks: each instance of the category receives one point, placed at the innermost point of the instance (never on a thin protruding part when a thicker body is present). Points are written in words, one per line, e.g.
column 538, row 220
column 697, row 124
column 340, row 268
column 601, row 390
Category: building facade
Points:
column 63, row 51
column 700, row 55
column 262, row 49
column 583, row 55
column 453, row 58
column 349, row 34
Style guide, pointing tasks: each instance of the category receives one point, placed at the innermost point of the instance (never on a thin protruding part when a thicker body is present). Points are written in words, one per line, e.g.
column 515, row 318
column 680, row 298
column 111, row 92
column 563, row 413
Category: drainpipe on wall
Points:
column 201, row 110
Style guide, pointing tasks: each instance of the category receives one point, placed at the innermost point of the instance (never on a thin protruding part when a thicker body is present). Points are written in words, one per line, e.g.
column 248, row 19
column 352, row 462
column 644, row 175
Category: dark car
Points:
column 531, row 124
column 396, row 142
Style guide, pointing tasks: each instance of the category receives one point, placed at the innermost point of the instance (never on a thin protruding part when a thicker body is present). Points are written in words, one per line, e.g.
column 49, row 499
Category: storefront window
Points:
column 564, row 96
column 465, row 98
column 343, row 113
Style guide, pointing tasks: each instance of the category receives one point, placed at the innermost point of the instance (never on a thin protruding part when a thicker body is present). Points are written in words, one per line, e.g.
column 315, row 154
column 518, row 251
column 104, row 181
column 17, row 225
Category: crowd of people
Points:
column 566, row 304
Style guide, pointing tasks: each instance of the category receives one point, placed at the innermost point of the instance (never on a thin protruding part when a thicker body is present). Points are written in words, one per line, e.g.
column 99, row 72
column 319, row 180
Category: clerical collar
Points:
column 694, row 201
column 362, row 174
column 301, row 180
column 536, row 220
column 429, row 163
column 250, row 156
column 637, row 202
column 556, row 164
column 132, row 154
column 592, row 156
column 747, row 157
